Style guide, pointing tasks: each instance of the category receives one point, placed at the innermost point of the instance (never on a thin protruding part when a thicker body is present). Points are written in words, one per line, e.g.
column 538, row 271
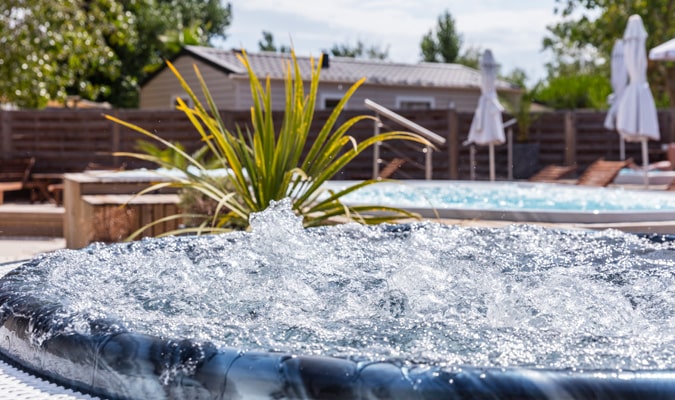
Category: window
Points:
column 184, row 97
column 414, row 102
column 328, row 101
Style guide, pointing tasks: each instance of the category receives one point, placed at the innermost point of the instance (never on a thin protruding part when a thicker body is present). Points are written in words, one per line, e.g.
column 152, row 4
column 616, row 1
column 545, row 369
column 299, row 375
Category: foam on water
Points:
column 518, row 296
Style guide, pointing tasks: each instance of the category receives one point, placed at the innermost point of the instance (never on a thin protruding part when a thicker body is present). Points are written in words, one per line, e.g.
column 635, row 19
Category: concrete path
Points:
column 20, row 248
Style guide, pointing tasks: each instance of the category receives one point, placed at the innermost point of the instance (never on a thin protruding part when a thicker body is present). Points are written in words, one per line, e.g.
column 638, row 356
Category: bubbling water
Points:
column 427, row 293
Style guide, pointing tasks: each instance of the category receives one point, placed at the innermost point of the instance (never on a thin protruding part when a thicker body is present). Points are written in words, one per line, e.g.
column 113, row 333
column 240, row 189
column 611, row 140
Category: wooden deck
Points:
column 32, row 220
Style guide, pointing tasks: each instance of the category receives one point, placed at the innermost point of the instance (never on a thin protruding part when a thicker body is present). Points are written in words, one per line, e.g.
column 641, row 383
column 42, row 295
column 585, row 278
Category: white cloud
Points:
column 512, row 30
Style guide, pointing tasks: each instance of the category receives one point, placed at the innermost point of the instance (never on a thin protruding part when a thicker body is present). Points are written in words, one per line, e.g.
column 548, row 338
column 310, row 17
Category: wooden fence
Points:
column 67, row 140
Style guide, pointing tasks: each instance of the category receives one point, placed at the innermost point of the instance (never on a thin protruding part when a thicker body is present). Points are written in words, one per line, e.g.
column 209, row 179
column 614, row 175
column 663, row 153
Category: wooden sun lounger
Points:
column 552, row 173
column 602, row 172
column 14, row 175
column 389, row 170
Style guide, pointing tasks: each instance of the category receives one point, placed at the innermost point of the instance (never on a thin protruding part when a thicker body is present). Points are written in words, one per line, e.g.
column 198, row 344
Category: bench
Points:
column 15, row 174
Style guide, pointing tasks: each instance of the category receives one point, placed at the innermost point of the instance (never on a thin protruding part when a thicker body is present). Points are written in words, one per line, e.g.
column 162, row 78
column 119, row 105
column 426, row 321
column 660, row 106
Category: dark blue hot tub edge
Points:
column 124, row 365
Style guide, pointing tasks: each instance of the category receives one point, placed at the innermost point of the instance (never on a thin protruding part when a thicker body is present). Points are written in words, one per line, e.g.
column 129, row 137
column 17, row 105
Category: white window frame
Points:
column 329, row 96
column 416, row 99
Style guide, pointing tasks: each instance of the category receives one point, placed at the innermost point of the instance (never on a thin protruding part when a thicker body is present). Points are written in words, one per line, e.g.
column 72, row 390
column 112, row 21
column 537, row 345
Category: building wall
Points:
column 233, row 92
column 390, row 96
column 159, row 92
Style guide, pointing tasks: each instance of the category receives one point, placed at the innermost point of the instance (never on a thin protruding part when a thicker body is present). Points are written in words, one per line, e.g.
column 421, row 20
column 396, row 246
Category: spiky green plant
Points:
column 171, row 157
column 263, row 164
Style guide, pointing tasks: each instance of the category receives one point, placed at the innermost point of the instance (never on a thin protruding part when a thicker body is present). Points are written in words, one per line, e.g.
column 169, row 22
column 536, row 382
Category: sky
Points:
column 512, row 30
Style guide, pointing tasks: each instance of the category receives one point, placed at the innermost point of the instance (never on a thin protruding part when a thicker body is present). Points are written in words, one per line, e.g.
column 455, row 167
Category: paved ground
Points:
column 17, row 249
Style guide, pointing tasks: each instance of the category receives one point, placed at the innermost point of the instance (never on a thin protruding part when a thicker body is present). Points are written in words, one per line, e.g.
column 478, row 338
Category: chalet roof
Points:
column 347, row 69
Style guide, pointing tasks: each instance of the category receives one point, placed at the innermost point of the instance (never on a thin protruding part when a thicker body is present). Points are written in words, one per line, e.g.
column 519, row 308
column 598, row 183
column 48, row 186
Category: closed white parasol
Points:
column 636, row 118
column 663, row 52
column 487, row 127
column 619, row 80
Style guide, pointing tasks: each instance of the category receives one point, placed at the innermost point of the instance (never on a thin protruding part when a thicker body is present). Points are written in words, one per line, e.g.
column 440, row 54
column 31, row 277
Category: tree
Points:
column 470, row 57
column 53, row 49
column 589, row 29
column 213, row 16
column 443, row 44
column 96, row 49
column 163, row 27
column 575, row 90
column 360, row 51
column 575, row 83
column 267, row 44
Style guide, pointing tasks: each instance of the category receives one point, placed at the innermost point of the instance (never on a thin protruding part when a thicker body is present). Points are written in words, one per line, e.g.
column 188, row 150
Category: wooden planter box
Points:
column 114, row 217
column 105, row 208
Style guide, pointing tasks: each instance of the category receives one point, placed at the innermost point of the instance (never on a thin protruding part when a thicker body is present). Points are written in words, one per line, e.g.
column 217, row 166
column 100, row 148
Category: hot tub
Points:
column 415, row 311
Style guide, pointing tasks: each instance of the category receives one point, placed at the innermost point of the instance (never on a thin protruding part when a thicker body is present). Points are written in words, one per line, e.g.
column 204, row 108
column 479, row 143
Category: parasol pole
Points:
column 492, row 161
column 645, row 162
column 472, row 153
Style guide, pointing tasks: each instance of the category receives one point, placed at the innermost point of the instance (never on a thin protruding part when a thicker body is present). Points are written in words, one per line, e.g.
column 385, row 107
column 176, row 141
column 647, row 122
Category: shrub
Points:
column 263, row 164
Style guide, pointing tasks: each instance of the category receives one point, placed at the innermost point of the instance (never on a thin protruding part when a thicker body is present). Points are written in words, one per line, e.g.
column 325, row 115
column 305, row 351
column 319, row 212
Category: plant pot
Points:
column 525, row 159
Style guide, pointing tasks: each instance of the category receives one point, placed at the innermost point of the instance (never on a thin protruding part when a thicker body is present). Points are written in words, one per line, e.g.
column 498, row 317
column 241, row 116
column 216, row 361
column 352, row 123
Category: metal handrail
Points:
column 416, row 128
column 429, row 135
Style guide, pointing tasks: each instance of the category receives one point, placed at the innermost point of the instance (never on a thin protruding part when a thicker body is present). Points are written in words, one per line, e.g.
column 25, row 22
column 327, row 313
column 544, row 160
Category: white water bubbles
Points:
column 424, row 292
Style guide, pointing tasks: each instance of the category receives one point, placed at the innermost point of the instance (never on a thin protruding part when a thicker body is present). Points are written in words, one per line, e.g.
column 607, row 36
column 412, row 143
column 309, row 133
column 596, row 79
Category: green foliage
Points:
column 521, row 109
column 95, row 49
column 172, row 156
column 263, row 164
column 162, row 27
column 267, row 44
column 443, row 44
column 470, row 57
column 51, row 49
column 572, row 91
column 360, row 51
column 213, row 16
column 589, row 29
column 198, row 207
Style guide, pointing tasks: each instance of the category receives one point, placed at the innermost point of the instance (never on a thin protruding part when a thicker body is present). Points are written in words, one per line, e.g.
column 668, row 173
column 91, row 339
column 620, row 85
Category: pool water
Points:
column 515, row 200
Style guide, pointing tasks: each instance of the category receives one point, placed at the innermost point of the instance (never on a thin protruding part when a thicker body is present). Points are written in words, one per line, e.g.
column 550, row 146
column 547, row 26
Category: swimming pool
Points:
column 629, row 176
column 517, row 201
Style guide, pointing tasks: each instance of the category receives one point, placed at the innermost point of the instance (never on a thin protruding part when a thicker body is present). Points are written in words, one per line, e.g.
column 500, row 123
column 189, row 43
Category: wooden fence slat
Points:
column 67, row 140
